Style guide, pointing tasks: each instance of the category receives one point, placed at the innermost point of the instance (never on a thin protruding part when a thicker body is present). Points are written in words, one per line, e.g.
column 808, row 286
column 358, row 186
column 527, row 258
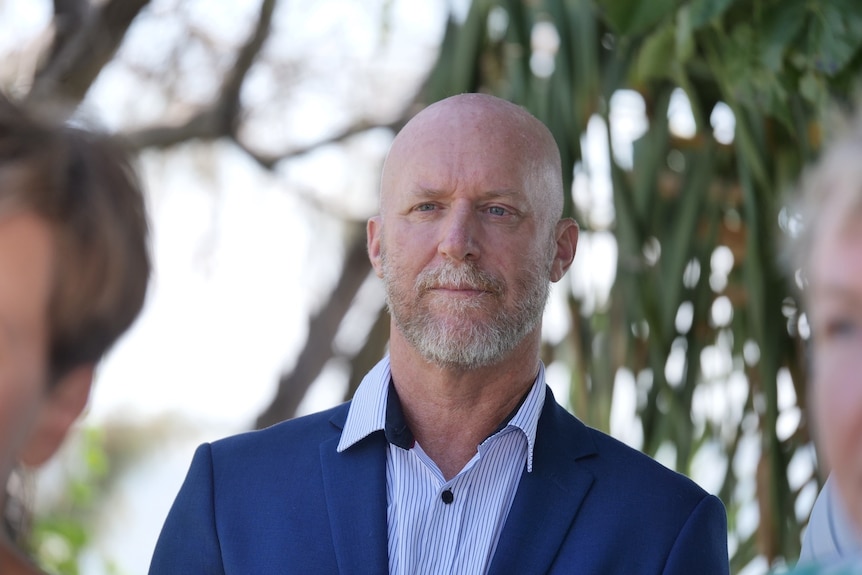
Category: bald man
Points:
column 453, row 456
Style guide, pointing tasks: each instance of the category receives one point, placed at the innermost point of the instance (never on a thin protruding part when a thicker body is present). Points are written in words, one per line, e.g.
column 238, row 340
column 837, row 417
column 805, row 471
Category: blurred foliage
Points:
column 60, row 533
column 685, row 203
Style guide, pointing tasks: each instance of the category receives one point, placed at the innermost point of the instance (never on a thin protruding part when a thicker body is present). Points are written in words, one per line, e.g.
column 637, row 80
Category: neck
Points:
column 451, row 411
column 12, row 560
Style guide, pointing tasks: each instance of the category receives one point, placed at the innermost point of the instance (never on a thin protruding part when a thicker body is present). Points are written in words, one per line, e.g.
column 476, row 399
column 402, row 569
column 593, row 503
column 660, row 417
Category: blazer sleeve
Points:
column 189, row 540
column 701, row 546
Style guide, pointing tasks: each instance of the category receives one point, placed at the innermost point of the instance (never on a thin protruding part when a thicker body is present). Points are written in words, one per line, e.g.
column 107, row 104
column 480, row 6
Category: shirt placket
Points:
column 444, row 527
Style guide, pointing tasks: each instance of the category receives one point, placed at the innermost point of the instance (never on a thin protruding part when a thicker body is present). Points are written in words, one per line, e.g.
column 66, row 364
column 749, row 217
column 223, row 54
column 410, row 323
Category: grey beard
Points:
column 479, row 343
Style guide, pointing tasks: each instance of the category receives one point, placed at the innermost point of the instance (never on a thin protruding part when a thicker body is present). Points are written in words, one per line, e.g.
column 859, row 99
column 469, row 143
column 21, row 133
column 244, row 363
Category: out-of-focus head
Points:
column 469, row 233
column 74, row 268
column 84, row 187
column 829, row 252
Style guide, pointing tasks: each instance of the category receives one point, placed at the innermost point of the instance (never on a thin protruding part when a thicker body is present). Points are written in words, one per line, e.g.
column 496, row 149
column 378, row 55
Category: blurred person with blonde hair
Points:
column 74, row 268
column 828, row 251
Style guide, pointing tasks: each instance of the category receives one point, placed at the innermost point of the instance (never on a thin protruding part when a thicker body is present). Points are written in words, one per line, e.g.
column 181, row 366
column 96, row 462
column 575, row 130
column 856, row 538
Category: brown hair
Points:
column 82, row 183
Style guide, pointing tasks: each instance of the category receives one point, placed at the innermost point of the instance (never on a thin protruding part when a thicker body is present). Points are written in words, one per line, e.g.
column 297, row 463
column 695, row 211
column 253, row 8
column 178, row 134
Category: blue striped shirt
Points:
column 434, row 525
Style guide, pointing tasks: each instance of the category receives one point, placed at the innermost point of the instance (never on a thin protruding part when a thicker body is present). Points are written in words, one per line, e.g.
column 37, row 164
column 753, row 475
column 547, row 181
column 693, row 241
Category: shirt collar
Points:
column 367, row 412
column 375, row 403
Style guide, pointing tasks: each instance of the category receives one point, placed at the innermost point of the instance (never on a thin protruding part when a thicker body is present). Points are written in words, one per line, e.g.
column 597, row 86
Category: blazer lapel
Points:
column 355, row 487
column 548, row 497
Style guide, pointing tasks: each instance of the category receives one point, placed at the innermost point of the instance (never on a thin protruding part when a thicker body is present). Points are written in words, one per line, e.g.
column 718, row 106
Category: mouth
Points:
column 459, row 282
column 461, row 290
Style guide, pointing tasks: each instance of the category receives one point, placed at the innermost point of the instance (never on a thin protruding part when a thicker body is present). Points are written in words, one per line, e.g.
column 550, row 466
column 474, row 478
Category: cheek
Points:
column 838, row 413
column 19, row 405
column 23, row 376
column 408, row 253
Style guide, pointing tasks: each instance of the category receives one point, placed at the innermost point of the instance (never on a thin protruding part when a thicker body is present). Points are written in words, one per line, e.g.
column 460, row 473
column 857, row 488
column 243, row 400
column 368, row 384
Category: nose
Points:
column 458, row 239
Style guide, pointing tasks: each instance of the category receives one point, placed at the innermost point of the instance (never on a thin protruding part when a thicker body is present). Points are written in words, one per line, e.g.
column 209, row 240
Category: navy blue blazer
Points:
column 282, row 500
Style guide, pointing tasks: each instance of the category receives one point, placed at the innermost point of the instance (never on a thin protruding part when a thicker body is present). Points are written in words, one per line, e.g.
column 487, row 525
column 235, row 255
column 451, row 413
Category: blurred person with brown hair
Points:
column 74, row 268
column 828, row 251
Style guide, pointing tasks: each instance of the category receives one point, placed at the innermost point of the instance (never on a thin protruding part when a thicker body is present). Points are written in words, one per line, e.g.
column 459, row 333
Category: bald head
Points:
column 474, row 130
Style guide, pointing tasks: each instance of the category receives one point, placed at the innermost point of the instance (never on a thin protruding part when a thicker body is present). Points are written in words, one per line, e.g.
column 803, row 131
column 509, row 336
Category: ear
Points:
column 374, row 231
column 62, row 406
column 566, row 234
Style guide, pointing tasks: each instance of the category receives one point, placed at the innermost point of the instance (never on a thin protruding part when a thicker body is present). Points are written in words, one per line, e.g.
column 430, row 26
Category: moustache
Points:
column 463, row 276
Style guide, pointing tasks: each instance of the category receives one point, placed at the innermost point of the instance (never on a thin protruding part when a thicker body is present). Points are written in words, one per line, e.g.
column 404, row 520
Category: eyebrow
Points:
column 426, row 192
column 836, row 291
column 422, row 191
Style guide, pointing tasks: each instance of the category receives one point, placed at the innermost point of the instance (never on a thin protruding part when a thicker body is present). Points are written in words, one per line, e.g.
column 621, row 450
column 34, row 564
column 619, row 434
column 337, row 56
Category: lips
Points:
column 460, row 292
column 467, row 288
column 465, row 279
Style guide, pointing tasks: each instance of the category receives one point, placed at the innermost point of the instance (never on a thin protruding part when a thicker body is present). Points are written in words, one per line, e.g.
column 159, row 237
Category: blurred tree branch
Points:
column 321, row 331
column 323, row 327
column 85, row 40
column 221, row 117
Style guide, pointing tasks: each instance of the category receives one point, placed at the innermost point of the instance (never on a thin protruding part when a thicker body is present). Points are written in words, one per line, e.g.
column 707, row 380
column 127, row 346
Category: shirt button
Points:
column 447, row 497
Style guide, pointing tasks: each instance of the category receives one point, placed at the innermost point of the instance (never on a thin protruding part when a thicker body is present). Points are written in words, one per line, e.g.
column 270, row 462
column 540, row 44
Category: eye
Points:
column 497, row 211
column 841, row 327
column 425, row 207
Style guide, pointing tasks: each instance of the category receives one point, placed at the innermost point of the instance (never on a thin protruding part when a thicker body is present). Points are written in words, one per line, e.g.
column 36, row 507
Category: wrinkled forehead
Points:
column 475, row 133
column 473, row 116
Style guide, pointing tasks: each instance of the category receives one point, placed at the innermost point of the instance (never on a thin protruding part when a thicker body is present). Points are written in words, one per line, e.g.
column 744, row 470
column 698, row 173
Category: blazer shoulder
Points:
column 616, row 464
column 287, row 439
column 619, row 454
column 605, row 496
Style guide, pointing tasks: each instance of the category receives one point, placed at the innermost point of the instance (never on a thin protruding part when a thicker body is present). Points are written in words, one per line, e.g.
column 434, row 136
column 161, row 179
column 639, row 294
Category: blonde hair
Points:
column 830, row 189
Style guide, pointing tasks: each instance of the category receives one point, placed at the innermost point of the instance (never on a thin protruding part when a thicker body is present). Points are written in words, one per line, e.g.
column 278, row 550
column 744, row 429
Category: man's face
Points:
column 835, row 305
column 26, row 252
column 466, row 246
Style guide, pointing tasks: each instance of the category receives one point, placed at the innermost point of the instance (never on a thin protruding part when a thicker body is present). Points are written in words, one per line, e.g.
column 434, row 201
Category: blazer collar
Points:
column 355, row 485
column 548, row 498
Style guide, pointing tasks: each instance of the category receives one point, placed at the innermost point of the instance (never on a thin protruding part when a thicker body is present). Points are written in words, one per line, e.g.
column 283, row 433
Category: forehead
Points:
column 453, row 147
column 836, row 257
column 497, row 126
column 445, row 164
